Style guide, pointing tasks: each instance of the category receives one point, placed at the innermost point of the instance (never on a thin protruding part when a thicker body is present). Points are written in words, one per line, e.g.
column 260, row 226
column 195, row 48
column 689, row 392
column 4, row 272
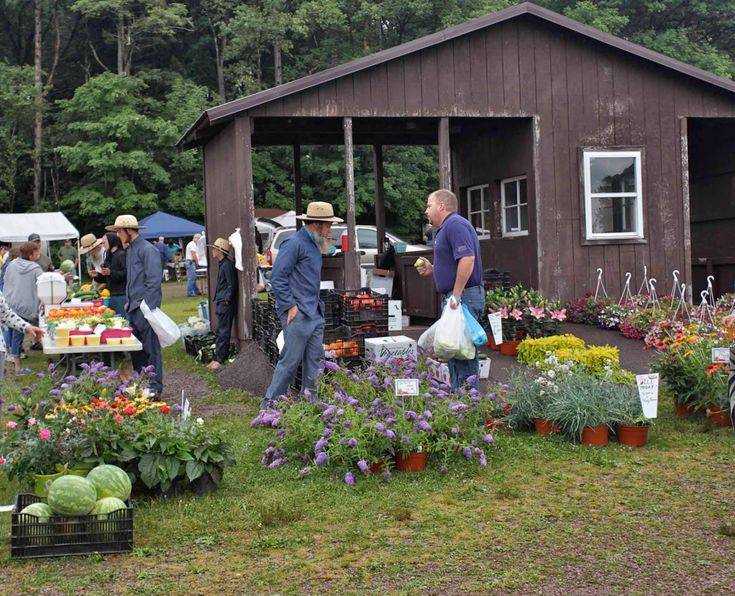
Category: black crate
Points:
column 362, row 305
column 342, row 343
column 370, row 328
column 332, row 310
column 62, row 536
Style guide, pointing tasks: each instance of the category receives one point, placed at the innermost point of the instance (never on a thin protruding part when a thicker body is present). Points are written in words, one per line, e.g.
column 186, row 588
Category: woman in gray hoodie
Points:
column 21, row 295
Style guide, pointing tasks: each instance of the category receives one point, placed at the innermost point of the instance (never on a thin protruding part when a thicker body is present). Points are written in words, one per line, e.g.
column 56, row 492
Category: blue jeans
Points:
column 461, row 370
column 191, row 278
column 304, row 345
column 117, row 303
column 13, row 341
column 150, row 355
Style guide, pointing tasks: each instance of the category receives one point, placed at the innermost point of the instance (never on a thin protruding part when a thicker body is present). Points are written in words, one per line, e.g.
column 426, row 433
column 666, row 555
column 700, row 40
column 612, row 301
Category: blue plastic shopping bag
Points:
column 474, row 330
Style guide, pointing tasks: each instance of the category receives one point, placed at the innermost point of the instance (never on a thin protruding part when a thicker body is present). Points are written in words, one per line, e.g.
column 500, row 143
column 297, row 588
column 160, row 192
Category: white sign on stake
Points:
column 496, row 326
column 648, row 393
column 406, row 387
column 720, row 355
column 185, row 407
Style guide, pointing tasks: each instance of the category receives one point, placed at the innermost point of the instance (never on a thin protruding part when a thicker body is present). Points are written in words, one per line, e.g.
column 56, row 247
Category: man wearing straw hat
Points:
column 295, row 280
column 225, row 300
column 144, row 283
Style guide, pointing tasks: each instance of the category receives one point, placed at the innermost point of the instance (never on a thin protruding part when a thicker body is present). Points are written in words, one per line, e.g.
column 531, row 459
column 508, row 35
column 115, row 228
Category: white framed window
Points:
column 478, row 209
column 613, row 195
column 514, row 206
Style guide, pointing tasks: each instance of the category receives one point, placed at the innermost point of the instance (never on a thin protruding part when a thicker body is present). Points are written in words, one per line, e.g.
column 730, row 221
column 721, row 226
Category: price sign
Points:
column 185, row 407
column 406, row 387
column 496, row 327
column 720, row 355
column 648, row 393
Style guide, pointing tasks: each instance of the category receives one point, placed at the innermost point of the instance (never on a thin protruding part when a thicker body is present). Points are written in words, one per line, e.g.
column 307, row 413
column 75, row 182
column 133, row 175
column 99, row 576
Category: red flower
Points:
column 165, row 409
column 129, row 411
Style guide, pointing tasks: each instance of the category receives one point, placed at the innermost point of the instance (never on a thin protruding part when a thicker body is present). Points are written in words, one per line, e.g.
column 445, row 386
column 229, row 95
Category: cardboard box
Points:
column 440, row 372
column 382, row 348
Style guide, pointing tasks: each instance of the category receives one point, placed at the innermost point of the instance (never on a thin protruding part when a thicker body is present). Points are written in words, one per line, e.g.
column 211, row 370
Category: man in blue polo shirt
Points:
column 457, row 270
column 295, row 280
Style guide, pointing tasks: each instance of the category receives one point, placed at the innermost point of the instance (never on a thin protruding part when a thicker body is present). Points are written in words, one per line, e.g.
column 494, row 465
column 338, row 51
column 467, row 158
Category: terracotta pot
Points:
column 633, row 435
column 719, row 416
column 684, row 410
column 546, row 427
column 596, row 436
column 509, row 348
column 413, row 462
column 378, row 467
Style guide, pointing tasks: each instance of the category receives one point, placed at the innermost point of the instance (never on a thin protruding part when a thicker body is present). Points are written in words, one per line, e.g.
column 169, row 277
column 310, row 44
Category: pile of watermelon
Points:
column 104, row 490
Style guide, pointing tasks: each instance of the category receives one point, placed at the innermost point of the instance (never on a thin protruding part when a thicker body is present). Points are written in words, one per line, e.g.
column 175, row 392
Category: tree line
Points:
column 94, row 93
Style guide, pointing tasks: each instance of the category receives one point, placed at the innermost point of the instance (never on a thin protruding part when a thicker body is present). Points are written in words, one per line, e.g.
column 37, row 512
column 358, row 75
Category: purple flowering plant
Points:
column 355, row 420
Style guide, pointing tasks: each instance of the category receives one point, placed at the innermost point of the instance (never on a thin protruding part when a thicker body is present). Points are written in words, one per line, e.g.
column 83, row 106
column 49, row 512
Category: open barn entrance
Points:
column 712, row 203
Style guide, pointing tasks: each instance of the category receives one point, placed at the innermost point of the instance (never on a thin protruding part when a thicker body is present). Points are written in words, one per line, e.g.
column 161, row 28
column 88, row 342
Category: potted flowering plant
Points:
column 713, row 397
column 582, row 408
column 632, row 425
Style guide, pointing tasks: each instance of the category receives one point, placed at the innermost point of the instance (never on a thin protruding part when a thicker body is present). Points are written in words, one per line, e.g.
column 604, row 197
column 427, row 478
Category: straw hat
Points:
column 88, row 243
column 320, row 211
column 221, row 244
column 122, row 222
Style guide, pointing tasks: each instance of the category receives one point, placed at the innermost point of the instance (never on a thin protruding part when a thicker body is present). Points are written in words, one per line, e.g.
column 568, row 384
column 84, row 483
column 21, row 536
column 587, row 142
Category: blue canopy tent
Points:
column 169, row 226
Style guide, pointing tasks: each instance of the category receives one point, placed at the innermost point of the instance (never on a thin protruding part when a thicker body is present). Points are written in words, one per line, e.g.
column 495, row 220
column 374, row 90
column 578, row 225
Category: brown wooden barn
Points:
column 570, row 149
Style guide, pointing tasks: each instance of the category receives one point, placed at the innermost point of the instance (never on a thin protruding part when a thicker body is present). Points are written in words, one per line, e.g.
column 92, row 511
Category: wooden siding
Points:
column 583, row 94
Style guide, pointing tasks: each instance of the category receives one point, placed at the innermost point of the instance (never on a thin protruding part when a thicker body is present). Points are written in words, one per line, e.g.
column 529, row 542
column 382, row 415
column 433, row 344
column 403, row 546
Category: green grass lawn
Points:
column 545, row 515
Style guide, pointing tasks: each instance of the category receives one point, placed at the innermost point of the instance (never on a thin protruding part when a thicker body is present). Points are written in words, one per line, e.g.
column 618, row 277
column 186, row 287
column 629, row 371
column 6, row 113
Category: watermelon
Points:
column 40, row 511
column 110, row 481
column 105, row 506
column 72, row 495
column 67, row 266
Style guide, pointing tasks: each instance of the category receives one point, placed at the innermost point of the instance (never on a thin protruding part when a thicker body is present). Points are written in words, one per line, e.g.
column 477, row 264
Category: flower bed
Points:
column 63, row 423
column 357, row 423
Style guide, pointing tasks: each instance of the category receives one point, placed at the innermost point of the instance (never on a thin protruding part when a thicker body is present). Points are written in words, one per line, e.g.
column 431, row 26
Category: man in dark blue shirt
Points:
column 295, row 280
column 144, row 283
column 457, row 270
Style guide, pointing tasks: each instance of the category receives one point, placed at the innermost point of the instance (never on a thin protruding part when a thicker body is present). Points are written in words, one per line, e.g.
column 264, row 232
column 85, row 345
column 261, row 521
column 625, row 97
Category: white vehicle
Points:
column 367, row 242
column 267, row 228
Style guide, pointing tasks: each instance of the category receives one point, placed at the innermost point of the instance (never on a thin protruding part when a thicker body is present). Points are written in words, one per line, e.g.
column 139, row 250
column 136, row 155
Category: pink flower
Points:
column 503, row 312
column 516, row 314
column 2, row 461
column 118, row 418
column 559, row 315
column 537, row 312
column 44, row 434
column 31, row 422
column 11, row 425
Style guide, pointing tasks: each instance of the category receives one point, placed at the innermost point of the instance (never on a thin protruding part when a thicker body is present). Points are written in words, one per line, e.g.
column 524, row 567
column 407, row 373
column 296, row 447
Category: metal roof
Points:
column 221, row 114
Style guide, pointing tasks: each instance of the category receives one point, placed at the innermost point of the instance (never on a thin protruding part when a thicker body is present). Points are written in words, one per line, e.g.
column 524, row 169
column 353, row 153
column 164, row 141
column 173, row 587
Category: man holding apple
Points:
column 457, row 271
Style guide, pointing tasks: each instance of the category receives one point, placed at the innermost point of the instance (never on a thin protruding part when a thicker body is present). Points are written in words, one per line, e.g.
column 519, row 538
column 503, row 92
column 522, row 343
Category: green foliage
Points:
column 531, row 351
column 604, row 18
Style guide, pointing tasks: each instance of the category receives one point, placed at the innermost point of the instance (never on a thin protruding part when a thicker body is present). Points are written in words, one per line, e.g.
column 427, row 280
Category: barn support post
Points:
column 445, row 154
column 298, row 202
column 244, row 188
column 379, row 196
column 687, row 231
column 352, row 261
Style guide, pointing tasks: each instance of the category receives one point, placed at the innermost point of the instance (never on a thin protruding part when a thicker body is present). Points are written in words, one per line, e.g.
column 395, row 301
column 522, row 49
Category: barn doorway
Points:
column 711, row 144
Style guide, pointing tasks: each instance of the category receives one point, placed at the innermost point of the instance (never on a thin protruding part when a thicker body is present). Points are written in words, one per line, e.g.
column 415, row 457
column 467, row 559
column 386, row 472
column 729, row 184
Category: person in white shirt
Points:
column 191, row 255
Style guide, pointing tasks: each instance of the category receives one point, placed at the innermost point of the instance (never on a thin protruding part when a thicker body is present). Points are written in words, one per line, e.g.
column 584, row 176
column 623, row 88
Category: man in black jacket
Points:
column 225, row 300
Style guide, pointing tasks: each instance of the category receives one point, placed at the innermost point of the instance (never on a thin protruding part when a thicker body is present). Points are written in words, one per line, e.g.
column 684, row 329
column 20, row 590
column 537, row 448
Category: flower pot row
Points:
column 598, row 436
column 718, row 416
column 507, row 348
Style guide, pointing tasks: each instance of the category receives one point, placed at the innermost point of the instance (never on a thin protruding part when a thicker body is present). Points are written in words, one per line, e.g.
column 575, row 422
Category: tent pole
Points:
column 79, row 262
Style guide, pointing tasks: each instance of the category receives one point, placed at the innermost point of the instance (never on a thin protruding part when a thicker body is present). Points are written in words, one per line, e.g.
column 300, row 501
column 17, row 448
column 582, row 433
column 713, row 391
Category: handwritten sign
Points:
column 185, row 407
column 496, row 326
column 720, row 355
column 406, row 387
column 648, row 393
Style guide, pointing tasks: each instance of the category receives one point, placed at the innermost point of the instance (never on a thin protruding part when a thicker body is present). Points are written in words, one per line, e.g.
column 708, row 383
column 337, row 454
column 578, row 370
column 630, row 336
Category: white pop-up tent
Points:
column 16, row 227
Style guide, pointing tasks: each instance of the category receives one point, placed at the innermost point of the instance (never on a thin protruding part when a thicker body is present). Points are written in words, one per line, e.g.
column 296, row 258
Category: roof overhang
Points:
column 209, row 123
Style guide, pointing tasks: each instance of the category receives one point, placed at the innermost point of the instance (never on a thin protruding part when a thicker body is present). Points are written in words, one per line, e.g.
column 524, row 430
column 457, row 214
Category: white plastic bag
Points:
column 236, row 243
column 450, row 336
column 426, row 341
column 167, row 331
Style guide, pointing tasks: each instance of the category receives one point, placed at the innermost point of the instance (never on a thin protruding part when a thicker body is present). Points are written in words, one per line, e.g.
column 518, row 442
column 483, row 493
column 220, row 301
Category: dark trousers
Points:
column 225, row 314
column 150, row 355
